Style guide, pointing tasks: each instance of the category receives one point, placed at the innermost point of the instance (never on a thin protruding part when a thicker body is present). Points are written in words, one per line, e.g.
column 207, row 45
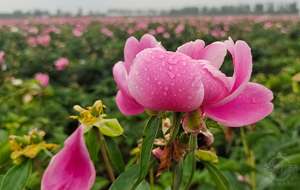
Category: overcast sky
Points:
column 72, row 6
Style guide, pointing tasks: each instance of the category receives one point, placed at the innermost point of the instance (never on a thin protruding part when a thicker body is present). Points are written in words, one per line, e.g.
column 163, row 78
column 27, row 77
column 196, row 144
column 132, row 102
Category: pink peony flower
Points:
column 44, row 79
column 160, row 29
column 107, row 32
column 166, row 35
column 2, row 61
column 61, row 63
column 77, row 32
column 43, row 40
column 32, row 41
column 179, row 28
column 72, row 167
column 189, row 79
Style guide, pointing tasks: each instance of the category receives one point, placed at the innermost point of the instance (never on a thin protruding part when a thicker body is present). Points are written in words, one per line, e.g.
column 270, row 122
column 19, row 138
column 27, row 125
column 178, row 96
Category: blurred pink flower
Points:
column 166, row 35
column 77, row 32
column 72, row 167
column 44, row 79
column 130, row 31
column 107, row 32
column 61, row 63
column 179, row 28
column 189, row 79
column 160, row 29
column 267, row 25
column 152, row 32
column 2, row 61
column 43, row 40
column 33, row 30
column 32, row 41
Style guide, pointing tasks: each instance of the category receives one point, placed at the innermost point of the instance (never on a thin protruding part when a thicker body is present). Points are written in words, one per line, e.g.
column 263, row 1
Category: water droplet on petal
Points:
column 163, row 63
column 253, row 100
column 173, row 59
column 136, row 72
column 170, row 67
column 166, row 88
column 148, row 78
column 193, row 84
column 147, row 59
column 161, row 56
column 171, row 75
column 184, row 63
column 180, row 90
column 159, row 82
column 165, row 93
column 172, row 84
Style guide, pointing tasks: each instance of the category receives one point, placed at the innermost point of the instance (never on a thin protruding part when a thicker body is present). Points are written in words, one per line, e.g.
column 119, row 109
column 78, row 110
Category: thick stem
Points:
column 39, row 167
column 106, row 160
column 249, row 158
column 193, row 145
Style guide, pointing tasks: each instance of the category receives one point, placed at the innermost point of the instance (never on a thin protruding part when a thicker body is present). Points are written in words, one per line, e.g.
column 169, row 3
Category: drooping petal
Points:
column 215, row 53
column 72, row 167
column 242, row 60
column 128, row 105
column 216, row 84
column 133, row 47
column 166, row 81
column 250, row 106
column 192, row 49
column 120, row 75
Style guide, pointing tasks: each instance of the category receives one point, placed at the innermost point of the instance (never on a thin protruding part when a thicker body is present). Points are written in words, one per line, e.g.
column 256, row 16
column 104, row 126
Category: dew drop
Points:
column 161, row 56
column 136, row 72
column 173, row 59
column 171, row 75
column 173, row 84
column 193, row 84
column 247, row 96
column 170, row 67
column 180, row 90
column 184, row 58
column 165, row 93
column 147, row 59
column 184, row 63
column 166, row 88
column 159, row 82
column 253, row 100
column 163, row 63
column 148, row 78
column 146, row 69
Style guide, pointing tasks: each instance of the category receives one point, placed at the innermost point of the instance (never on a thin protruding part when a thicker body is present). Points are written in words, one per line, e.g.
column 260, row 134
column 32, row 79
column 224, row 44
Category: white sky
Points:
column 103, row 5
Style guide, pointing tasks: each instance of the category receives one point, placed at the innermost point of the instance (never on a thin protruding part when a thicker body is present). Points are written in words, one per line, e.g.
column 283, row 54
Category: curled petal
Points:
column 215, row 53
column 192, row 49
column 128, row 105
column 242, row 60
column 250, row 106
column 216, row 84
column 192, row 122
column 166, row 81
column 72, row 167
column 133, row 47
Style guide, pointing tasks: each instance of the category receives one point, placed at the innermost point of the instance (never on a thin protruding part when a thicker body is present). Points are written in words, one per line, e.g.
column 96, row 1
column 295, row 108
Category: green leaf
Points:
column 114, row 154
column 216, row 125
column 292, row 160
column 175, row 126
column 144, row 185
column 5, row 153
column 150, row 133
column 100, row 183
column 230, row 165
column 178, row 174
column 109, row 127
column 253, row 137
column 93, row 145
column 127, row 178
column 218, row 176
column 18, row 176
column 265, row 123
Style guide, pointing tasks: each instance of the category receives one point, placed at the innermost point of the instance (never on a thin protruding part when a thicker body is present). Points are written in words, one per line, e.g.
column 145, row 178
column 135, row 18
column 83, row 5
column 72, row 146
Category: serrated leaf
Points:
column 18, row 176
column 219, row 178
column 93, row 145
column 150, row 133
column 175, row 126
column 114, row 154
column 109, row 127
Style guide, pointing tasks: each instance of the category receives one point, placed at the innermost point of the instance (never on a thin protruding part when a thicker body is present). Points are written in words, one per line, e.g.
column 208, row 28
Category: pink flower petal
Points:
column 215, row 53
column 216, row 85
column 242, row 60
column 128, row 105
column 133, row 47
column 192, row 49
column 250, row 106
column 161, row 80
column 72, row 167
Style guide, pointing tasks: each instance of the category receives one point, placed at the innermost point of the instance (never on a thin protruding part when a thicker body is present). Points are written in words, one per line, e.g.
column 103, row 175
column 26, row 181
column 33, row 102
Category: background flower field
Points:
column 89, row 48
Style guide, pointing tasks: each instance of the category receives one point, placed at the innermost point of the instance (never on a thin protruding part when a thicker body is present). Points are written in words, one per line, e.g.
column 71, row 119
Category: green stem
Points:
column 249, row 158
column 151, row 179
column 39, row 167
column 193, row 145
column 106, row 160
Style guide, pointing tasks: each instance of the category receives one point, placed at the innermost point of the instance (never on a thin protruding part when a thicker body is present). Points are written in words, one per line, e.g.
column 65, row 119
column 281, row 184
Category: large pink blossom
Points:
column 61, row 63
column 189, row 79
column 72, row 167
column 42, row 78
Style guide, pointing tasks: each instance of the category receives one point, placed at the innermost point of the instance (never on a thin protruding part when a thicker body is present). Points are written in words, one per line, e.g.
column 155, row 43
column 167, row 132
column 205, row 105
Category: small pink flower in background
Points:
column 44, row 79
column 43, row 40
column 170, row 25
column 130, row 31
column 61, row 63
column 71, row 168
column 190, row 80
column 77, row 32
column 267, row 25
column 160, row 29
column 142, row 26
column 179, row 28
column 32, row 41
column 33, row 30
column 166, row 35
column 152, row 32
column 107, row 32
column 2, row 61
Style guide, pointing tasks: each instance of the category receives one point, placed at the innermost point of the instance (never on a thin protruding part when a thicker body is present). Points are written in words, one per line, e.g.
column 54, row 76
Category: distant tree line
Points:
column 270, row 8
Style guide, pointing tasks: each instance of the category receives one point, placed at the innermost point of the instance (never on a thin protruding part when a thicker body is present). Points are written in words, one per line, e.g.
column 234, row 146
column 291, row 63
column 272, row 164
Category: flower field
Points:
column 49, row 65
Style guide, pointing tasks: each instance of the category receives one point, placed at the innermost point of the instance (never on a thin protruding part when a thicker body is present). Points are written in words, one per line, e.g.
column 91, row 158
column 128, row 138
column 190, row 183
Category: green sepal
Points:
column 109, row 127
column 206, row 155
